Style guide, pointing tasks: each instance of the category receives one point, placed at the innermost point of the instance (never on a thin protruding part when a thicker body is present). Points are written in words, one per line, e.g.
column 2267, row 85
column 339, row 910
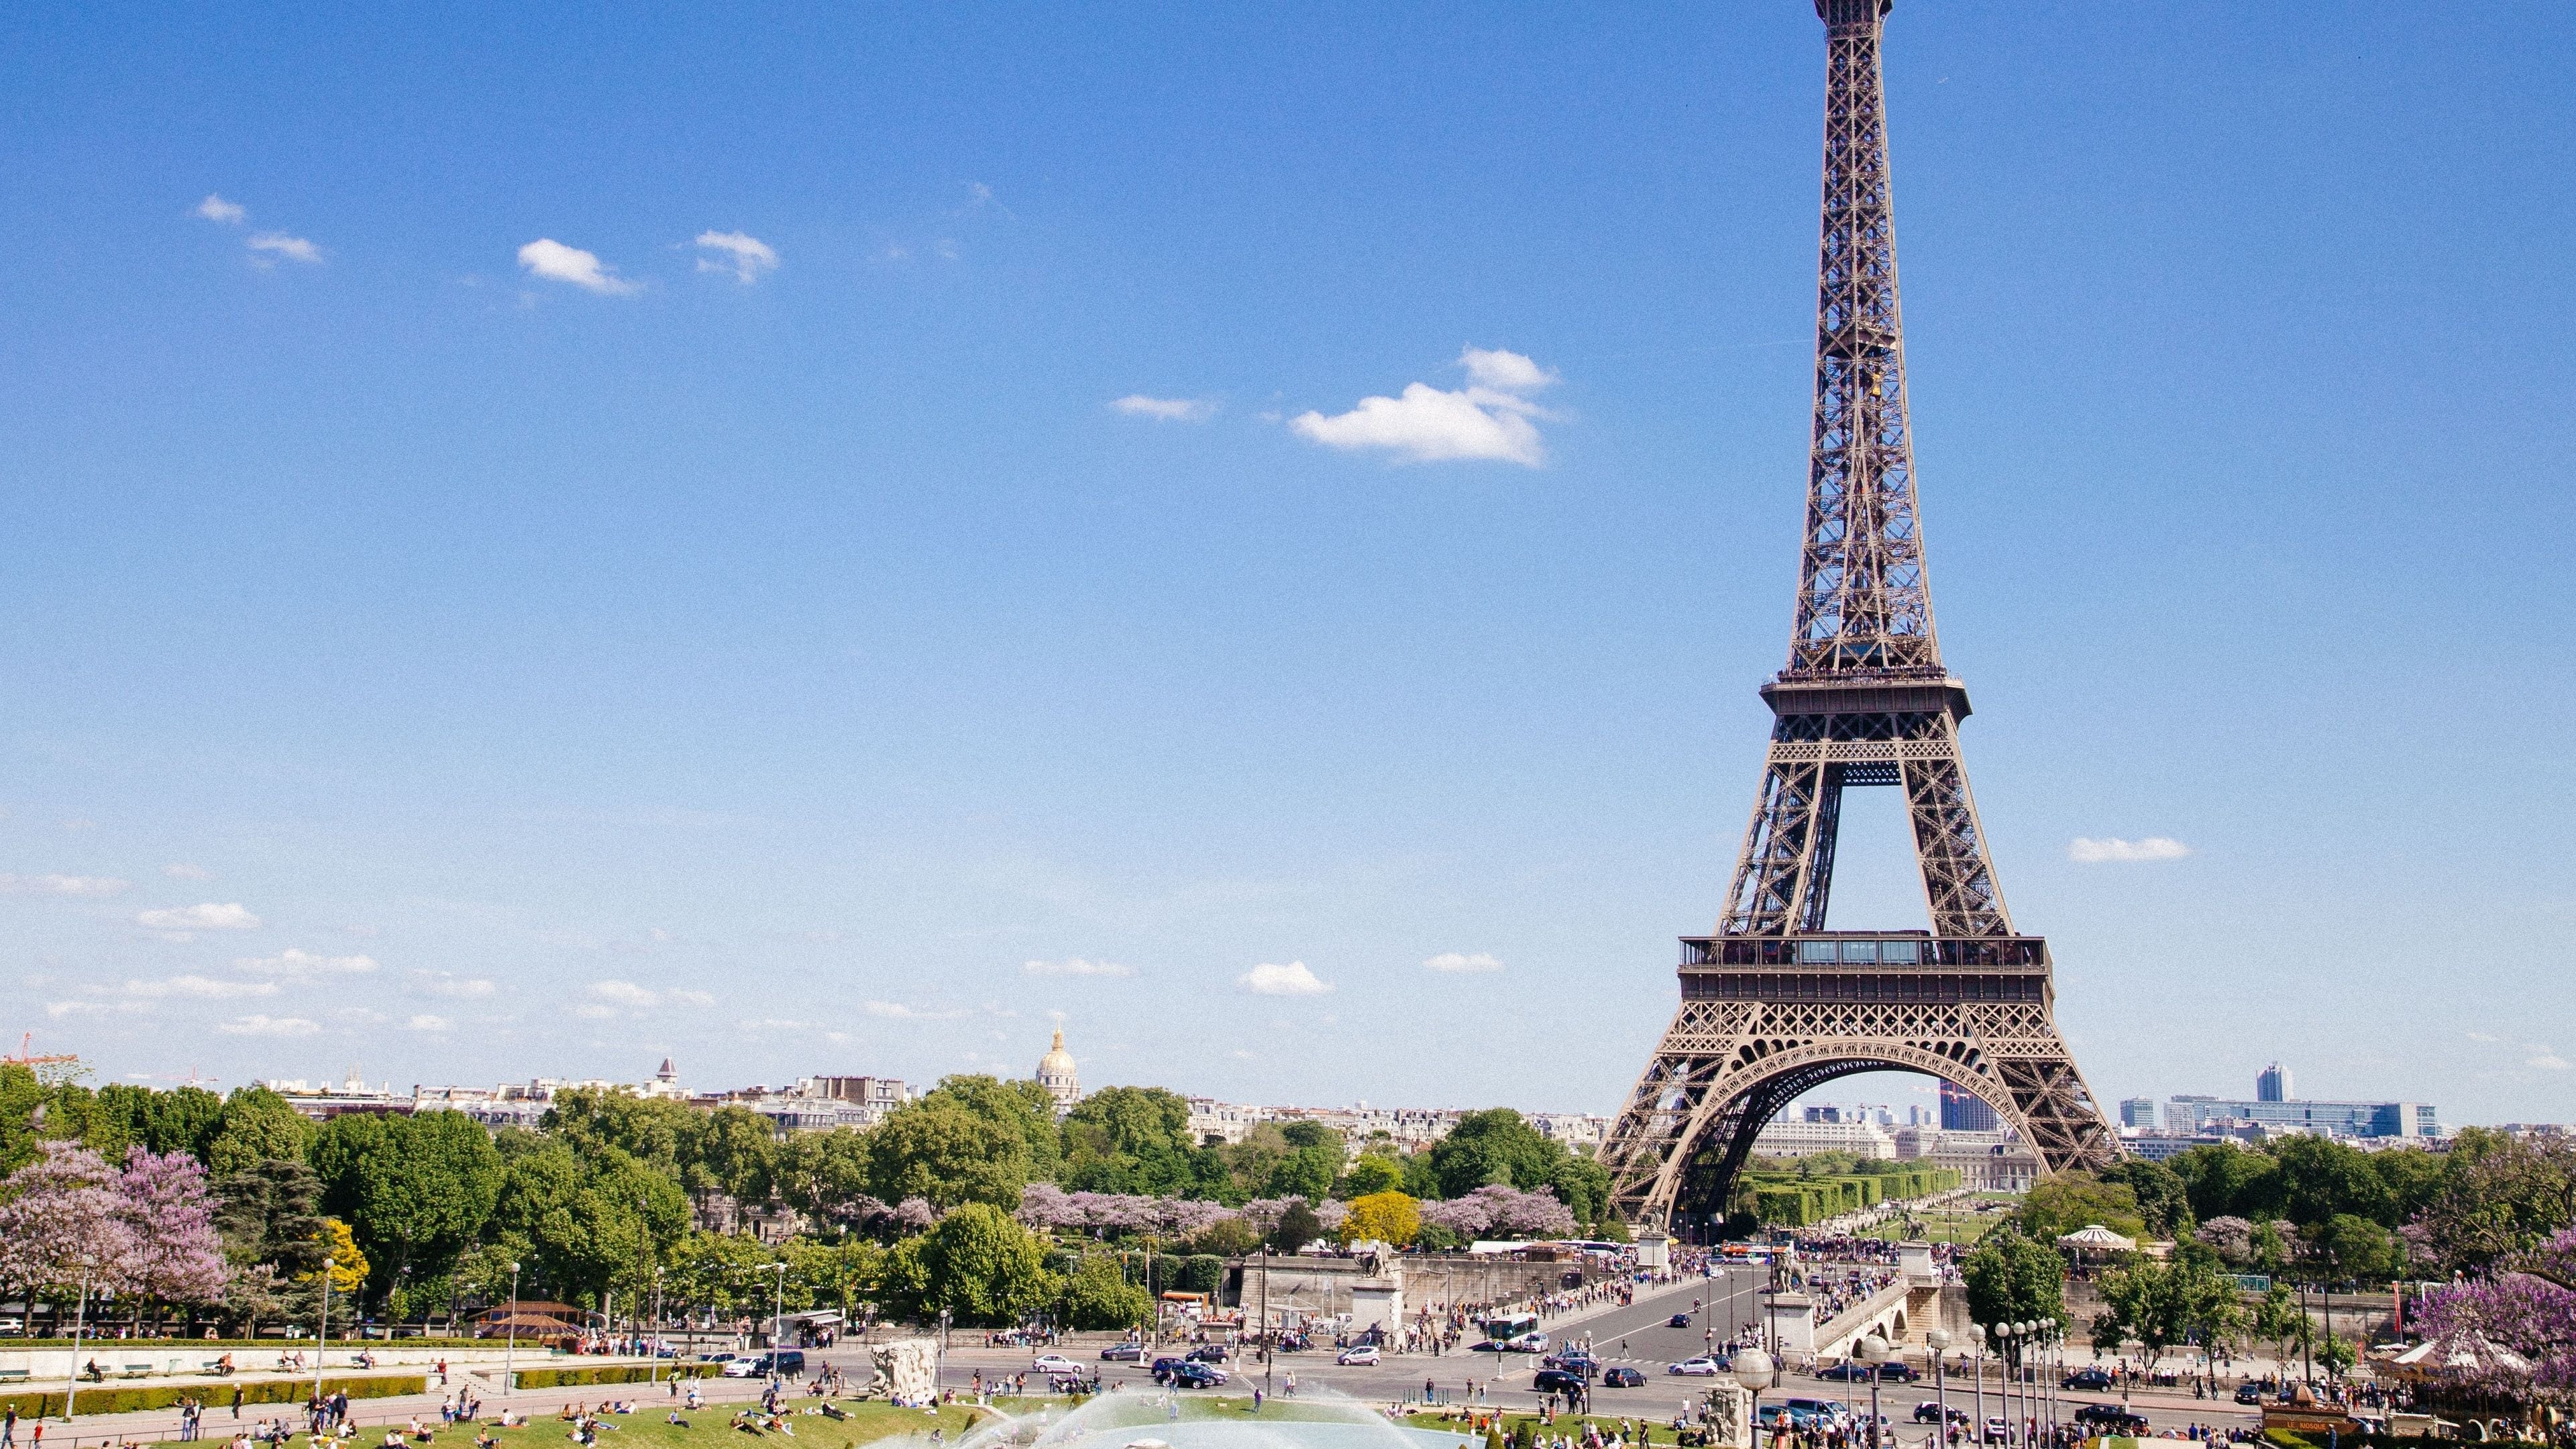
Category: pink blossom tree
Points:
column 64, row 1222
column 177, row 1256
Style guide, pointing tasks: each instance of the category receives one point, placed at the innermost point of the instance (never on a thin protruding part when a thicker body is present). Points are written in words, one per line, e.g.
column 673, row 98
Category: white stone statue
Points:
column 907, row 1372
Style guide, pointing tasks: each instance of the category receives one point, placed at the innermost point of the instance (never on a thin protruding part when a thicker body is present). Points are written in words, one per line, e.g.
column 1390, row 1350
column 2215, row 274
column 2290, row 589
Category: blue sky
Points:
column 627, row 543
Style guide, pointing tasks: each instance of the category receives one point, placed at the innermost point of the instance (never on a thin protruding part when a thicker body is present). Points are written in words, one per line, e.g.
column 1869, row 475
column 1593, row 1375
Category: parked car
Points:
column 1622, row 1377
column 1191, row 1375
column 2111, row 1419
column 1678, row 1320
column 1556, row 1381
column 1363, row 1355
column 787, row 1362
column 1929, row 1412
column 2091, row 1380
column 1208, row 1353
column 1702, row 1367
column 1055, row 1363
column 1123, row 1353
column 1849, row 1371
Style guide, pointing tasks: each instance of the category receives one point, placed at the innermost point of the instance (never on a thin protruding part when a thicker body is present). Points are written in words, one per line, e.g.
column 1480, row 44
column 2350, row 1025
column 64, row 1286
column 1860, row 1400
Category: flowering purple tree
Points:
column 1045, row 1205
column 176, row 1257
column 915, row 1214
column 2513, row 1334
column 1500, row 1210
column 64, row 1220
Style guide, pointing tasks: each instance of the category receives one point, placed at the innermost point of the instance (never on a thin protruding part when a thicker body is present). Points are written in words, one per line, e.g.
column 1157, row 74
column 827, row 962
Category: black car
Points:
column 1678, row 1320
column 1556, row 1381
column 1163, row 1368
column 1930, row 1410
column 1209, row 1353
column 2111, row 1419
column 2091, row 1380
column 1894, row 1372
column 1197, row 1376
column 1622, row 1378
column 1123, row 1353
column 1849, row 1371
column 2249, row 1394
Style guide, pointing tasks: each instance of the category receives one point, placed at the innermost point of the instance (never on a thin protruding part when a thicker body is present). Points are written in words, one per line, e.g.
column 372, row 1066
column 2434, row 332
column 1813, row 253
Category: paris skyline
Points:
column 827, row 526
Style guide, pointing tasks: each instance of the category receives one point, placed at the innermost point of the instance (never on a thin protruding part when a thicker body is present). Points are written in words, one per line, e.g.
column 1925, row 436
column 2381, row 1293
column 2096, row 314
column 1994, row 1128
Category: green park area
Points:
column 1963, row 1229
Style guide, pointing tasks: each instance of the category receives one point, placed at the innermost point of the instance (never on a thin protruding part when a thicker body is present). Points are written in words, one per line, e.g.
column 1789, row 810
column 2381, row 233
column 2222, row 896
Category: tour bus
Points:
column 1514, row 1333
column 1743, row 1253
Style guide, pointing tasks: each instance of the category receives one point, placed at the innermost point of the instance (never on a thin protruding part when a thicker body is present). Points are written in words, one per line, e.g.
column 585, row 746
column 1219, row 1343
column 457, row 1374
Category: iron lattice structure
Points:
column 1774, row 1004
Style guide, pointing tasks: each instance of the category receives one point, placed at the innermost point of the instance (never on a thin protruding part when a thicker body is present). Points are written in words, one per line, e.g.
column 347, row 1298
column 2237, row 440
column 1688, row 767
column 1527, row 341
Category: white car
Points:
column 741, row 1366
column 1056, row 1363
column 1363, row 1355
column 1700, row 1368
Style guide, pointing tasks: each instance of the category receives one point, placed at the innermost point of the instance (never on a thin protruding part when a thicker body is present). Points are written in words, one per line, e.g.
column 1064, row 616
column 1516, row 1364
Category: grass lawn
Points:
column 1656, row 1431
column 708, row 1428
column 1939, row 1227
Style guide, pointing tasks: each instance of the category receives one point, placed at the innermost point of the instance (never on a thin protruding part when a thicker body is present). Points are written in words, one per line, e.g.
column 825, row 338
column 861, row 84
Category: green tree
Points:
column 594, row 1224
column 722, row 1273
column 977, row 1263
column 416, row 1190
column 1373, row 1172
column 734, row 1151
column 947, row 1155
column 1298, row 1226
column 1137, row 1140
column 2014, row 1280
column 1494, row 1146
column 1096, row 1295
column 2348, row 1247
column 2279, row 1321
column 836, row 1275
column 2163, row 1198
column 2230, row 1181
column 257, row 1127
column 2499, row 1196
column 1019, row 1104
column 2071, row 1201
column 269, row 1217
column 2322, row 1179
column 656, row 1131
column 2158, row 1305
column 1582, row 1184
column 824, row 1174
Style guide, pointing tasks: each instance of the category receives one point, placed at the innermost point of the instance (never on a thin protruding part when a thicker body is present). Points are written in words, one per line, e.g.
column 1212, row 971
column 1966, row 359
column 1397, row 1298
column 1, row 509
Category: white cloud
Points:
column 428, row 1023
column 60, row 885
column 205, row 987
column 1076, row 966
column 1453, row 961
column 1293, row 979
column 2483, row 1036
column 269, row 1026
column 1504, row 371
column 900, row 1012
column 2548, row 1060
column 2154, row 847
column 642, row 998
column 1166, row 409
column 1489, row 419
column 300, row 964
column 744, row 256
column 179, row 923
column 182, row 870
column 552, row 260
column 60, row 1009
column 277, row 244
column 215, row 208
column 444, row 983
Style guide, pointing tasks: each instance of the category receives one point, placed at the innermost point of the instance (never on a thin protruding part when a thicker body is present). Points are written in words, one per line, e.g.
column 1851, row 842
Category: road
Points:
column 1636, row 1335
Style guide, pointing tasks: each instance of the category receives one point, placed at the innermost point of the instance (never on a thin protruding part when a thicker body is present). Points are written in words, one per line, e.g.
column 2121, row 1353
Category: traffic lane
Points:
column 1898, row 1401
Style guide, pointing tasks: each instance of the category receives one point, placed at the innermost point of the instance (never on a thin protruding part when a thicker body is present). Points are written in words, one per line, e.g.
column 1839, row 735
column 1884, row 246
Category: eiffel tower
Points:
column 1774, row 1004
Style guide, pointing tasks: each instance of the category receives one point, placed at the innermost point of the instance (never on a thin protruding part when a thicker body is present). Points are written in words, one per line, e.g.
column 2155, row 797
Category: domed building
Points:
column 1055, row 1073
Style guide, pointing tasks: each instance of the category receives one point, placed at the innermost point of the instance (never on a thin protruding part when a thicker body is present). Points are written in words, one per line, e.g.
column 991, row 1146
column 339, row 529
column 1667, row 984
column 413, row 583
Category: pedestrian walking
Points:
column 9, row 1429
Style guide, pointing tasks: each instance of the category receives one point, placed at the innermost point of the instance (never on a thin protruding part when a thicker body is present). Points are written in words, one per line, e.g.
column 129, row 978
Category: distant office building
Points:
column 1821, row 1114
column 2192, row 1116
column 2138, row 1112
column 1965, row 1111
column 2272, row 1084
column 1784, row 1138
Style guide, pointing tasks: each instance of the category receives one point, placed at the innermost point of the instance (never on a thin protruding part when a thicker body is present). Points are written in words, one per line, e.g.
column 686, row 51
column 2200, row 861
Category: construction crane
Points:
column 27, row 1056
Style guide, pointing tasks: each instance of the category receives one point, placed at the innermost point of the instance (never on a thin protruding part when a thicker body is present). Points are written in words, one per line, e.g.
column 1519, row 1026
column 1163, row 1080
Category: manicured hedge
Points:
column 213, row 1392
column 612, row 1374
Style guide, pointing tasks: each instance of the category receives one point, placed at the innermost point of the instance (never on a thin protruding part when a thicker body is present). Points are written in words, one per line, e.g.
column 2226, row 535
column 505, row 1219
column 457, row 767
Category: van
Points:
column 786, row 1363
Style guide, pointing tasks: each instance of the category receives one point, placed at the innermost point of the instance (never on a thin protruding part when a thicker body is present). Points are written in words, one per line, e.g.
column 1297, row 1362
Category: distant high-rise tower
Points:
column 2138, row 1112
column 2273, row 1084
column 1964, row 1111
column 1055, row 1073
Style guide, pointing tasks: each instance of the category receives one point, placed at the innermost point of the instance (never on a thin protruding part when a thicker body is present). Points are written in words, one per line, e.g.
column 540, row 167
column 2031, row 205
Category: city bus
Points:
column 1514, row 1333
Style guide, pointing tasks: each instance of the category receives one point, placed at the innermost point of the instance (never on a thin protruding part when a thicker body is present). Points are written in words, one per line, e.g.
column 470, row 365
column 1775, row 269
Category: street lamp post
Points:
column 510, row 1355
column 653, row 1344
column 80, row 1320
column 777, row 1314
column 1872, row 1350
column 322, row 1331
column 2004, row 1377
column 1977, row 1356
column 1753, row 1369
column 1938, row 1340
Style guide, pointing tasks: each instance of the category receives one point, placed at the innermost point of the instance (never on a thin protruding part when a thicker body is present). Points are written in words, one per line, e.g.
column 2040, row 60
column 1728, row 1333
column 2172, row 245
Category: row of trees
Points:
column 608, row 1197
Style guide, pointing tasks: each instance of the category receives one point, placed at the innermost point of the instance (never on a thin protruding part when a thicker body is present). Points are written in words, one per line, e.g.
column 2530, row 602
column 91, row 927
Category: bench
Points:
column 15, row 1376
column 136, row 1371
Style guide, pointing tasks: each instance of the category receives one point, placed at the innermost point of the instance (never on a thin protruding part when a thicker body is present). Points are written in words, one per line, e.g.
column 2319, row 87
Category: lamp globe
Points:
column 1753, row 1369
